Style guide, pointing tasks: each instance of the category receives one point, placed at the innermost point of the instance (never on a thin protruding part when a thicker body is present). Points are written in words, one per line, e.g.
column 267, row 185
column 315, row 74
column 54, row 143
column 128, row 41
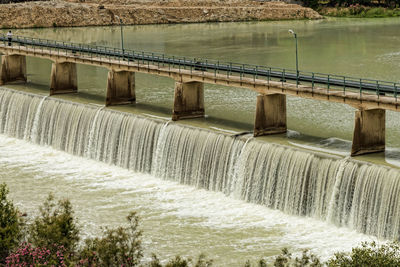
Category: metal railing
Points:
column 131, row 57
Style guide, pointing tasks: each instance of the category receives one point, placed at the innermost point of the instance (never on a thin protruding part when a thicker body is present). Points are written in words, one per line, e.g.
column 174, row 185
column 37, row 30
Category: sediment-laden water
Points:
column 356, row 195
column 202, row 191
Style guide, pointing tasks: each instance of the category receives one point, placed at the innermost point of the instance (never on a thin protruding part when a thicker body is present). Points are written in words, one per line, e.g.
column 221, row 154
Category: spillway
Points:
column 342, row 191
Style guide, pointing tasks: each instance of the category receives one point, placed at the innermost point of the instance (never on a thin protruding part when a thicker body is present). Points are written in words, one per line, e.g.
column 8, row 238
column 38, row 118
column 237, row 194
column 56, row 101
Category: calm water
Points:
column 179, row 219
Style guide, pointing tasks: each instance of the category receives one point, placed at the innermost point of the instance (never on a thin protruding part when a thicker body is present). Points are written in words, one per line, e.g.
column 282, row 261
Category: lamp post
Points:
column 297, row 60
column 122, row 33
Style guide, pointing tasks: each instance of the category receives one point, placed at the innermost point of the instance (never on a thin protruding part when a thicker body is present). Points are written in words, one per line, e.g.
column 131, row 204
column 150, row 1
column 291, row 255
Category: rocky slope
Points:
column 101, row 12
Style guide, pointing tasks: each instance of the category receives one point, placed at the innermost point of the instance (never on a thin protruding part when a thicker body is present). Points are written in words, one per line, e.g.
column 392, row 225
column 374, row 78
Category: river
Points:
column 180, row 219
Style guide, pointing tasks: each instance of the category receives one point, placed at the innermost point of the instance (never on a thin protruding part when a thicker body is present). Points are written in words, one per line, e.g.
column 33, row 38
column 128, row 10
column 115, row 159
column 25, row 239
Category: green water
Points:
column 367, row 48
column 175, row 221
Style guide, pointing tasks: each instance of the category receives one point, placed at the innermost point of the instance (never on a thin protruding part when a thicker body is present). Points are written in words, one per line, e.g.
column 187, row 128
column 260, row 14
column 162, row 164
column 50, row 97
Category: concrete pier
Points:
column 13, row 68
column 188, row 100
column 120, row 88
column 369, row 132
column 270, row 114
column 63, row 78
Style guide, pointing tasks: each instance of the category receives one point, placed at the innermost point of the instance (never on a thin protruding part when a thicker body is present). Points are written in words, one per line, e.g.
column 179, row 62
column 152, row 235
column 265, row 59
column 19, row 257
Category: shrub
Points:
column 369, row 254
column 10, row 224
column 26, row 255
column 178, row 261
column 117, row 247
column 307, row 259
column 55, row 226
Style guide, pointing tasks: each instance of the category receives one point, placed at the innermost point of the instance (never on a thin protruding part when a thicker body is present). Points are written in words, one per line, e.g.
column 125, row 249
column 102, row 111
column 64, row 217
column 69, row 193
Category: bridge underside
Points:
column 369, row 127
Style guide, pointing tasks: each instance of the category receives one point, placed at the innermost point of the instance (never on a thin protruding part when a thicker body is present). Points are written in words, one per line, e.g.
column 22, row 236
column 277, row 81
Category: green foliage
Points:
column 311, row 3
column 359, row 11
column 307, row 259
column 369, row 254
column 55, row 226
column 10, row 224
column 155, row 262
column 178, row 261
column 117, row 247
column 54, row 237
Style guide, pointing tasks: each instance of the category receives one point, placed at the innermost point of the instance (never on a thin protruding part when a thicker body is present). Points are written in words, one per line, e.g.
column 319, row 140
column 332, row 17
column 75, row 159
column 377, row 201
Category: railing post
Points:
column 344, row 85
column 312, row 87
column 269, row 75
column 377, row 87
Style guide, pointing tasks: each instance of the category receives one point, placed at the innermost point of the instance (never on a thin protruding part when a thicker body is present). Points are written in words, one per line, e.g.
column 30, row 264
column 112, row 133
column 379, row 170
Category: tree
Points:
column 11, row 224
column 55, row 226
column 117, row 247
column 369, row 254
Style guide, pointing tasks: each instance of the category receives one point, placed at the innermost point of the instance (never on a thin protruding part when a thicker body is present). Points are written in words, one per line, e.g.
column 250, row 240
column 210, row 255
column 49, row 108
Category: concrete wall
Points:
column 270, row 114
column 188, row 100
column 120, row 88
column 369, row 131
column 63, row 78
column 13, row 68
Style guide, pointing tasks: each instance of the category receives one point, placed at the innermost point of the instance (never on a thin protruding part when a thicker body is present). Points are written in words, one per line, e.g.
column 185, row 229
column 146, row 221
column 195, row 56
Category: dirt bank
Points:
column 101, row 12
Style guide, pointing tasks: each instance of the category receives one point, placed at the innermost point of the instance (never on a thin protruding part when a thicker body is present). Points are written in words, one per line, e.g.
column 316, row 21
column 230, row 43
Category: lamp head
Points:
column 292, row 32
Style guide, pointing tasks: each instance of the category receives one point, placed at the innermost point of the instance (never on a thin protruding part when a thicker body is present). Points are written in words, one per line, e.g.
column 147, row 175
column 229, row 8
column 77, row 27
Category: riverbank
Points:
column 96, row 13
column 358, row 11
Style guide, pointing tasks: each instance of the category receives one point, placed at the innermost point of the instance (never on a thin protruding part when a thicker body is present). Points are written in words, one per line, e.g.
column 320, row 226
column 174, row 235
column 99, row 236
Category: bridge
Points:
column 371, row 98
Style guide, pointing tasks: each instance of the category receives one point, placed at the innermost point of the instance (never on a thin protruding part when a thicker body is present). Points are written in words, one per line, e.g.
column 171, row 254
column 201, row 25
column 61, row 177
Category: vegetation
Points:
column 356, row 8
column 53, row 240
column 55, row 225
column 360, row 11
column 10, row 224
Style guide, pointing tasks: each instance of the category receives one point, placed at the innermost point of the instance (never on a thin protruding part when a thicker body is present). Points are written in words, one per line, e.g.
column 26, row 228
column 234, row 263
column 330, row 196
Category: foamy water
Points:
column 176, row 219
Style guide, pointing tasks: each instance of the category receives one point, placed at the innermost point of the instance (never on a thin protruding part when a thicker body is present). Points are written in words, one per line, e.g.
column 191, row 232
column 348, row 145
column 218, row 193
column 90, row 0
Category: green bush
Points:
column 369, row 254
column 307, row 259
column 55, row 226
column 11, row 224
column 117, row 247
column 178, row 261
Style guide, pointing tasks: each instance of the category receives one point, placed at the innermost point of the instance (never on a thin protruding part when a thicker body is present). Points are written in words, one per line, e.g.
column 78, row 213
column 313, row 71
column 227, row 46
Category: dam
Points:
column 216, row 184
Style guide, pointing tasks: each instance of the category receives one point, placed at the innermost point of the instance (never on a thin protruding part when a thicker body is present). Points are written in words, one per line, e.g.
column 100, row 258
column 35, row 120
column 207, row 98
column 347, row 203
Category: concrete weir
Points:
column 120, row 88
column 270, row 115
column 63, row 78
column 188, row 100
column 13, row 68
column 369, row 131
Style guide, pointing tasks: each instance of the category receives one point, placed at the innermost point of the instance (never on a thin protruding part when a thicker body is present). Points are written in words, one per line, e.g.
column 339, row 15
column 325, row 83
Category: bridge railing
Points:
column 132, row 57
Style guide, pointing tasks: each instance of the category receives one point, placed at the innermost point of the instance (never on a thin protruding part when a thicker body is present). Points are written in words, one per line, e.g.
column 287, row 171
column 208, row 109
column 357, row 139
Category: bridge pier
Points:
column 369, row 132
column 13, row 68
column 188, row 100
column 120, row 88
column 270, row 114
column 63, row 78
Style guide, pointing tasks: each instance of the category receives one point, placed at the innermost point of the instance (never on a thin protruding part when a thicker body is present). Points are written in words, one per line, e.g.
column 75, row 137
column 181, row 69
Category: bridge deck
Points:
column 356, row 98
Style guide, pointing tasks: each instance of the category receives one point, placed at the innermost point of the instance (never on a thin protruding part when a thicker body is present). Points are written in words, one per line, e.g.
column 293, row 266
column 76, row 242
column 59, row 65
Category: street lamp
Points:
column 297, row 60
column 122, row 34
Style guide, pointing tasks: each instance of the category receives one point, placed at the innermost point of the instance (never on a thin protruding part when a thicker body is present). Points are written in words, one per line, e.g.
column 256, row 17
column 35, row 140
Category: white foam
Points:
column 168, row 200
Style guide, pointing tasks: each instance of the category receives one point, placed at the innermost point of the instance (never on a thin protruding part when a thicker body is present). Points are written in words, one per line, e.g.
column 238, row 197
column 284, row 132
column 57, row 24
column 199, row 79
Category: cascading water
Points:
column 345, row 192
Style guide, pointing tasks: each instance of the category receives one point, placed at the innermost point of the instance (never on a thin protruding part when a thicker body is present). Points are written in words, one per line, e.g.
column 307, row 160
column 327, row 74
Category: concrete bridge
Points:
column 370, row 98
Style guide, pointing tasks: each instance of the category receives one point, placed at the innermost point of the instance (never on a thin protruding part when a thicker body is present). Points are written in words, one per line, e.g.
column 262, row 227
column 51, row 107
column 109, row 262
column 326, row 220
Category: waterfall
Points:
column 348, row 193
